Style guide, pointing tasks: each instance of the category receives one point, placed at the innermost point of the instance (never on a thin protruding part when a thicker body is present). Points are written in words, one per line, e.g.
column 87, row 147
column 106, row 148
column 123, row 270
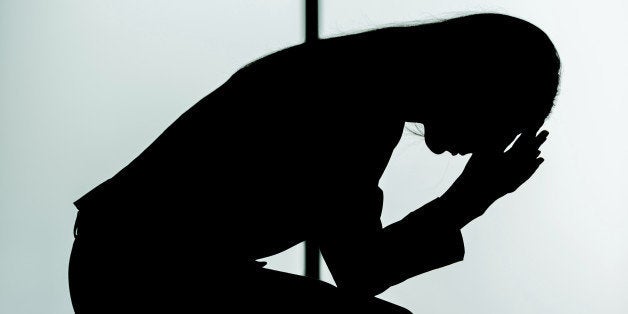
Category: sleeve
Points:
column 365, row 258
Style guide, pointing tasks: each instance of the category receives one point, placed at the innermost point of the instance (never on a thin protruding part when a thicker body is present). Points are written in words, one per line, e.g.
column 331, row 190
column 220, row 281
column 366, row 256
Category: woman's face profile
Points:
column 469, row 134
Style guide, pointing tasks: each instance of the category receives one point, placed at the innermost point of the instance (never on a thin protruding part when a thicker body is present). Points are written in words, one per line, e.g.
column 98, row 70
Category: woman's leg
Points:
column 106, row 274
column 112, row 271
column 92, row 275
column 265, row 290
column 76, row 276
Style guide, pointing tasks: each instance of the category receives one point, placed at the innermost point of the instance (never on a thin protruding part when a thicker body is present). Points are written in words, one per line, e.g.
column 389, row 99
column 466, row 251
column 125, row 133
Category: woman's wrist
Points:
column 464, row 205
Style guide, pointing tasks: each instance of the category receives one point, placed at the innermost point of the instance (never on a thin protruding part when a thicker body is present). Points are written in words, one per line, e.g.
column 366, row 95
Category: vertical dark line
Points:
column 312, row 259
column 311, row 20
column 312, row 252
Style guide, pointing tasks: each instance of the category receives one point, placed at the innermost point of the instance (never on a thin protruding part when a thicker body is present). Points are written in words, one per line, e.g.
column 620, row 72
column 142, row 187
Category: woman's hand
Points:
column 497, row 173
column 490, row 175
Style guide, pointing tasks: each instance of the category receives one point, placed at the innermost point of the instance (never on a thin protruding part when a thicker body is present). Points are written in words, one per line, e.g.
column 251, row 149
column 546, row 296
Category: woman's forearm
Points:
column 460, row 206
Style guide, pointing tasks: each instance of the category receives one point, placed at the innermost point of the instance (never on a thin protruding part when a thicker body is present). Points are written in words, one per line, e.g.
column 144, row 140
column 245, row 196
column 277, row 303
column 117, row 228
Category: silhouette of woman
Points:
column 292, row 147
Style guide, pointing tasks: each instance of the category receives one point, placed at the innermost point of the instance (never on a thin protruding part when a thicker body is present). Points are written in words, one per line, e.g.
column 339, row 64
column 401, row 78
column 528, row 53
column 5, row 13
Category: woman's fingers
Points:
column 528, row 144
column 540, row 139
column 522, row 147
column 525, row 159
column 504, row 172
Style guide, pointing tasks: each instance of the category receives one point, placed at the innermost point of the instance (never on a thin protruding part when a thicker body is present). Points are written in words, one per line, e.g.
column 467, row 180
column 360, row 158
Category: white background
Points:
column 85, row 86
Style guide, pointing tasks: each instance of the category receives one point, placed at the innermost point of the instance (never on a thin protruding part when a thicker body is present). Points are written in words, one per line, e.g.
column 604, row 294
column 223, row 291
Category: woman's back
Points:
column 263, row 162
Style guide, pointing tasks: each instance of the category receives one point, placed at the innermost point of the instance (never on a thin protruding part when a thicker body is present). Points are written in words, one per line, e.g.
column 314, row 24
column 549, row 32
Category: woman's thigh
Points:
column 266, row 290
column 125, row 274
column 99, row 284
column 102, row 281
column 112, row 272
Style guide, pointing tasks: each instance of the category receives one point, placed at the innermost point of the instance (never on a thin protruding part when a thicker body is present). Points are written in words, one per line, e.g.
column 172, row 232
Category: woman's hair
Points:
column 488, row 64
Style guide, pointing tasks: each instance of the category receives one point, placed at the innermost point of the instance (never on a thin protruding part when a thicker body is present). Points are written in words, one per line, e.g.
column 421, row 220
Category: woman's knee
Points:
column 388, row 308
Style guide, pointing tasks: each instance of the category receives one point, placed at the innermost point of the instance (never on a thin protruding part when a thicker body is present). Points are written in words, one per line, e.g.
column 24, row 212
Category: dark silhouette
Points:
column 265, row 162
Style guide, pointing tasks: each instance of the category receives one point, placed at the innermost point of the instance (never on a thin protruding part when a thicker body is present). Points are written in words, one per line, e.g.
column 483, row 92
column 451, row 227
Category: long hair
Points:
column 488, row 63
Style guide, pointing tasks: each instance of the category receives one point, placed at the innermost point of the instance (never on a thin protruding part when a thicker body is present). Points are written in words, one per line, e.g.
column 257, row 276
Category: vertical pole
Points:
column 311, row 20
column 312, row 252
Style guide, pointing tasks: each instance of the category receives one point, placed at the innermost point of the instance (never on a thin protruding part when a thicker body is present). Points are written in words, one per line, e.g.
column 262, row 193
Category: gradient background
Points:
column 86, row 85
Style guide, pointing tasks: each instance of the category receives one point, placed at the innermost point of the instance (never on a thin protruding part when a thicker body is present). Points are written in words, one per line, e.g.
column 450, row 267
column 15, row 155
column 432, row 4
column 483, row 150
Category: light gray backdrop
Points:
column 85, row 86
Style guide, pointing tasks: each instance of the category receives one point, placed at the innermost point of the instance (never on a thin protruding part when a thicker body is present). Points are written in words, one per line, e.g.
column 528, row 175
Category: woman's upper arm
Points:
column 349, row 241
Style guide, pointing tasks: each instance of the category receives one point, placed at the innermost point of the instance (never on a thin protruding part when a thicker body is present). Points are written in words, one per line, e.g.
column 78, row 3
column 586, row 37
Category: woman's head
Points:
column 478, row 80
